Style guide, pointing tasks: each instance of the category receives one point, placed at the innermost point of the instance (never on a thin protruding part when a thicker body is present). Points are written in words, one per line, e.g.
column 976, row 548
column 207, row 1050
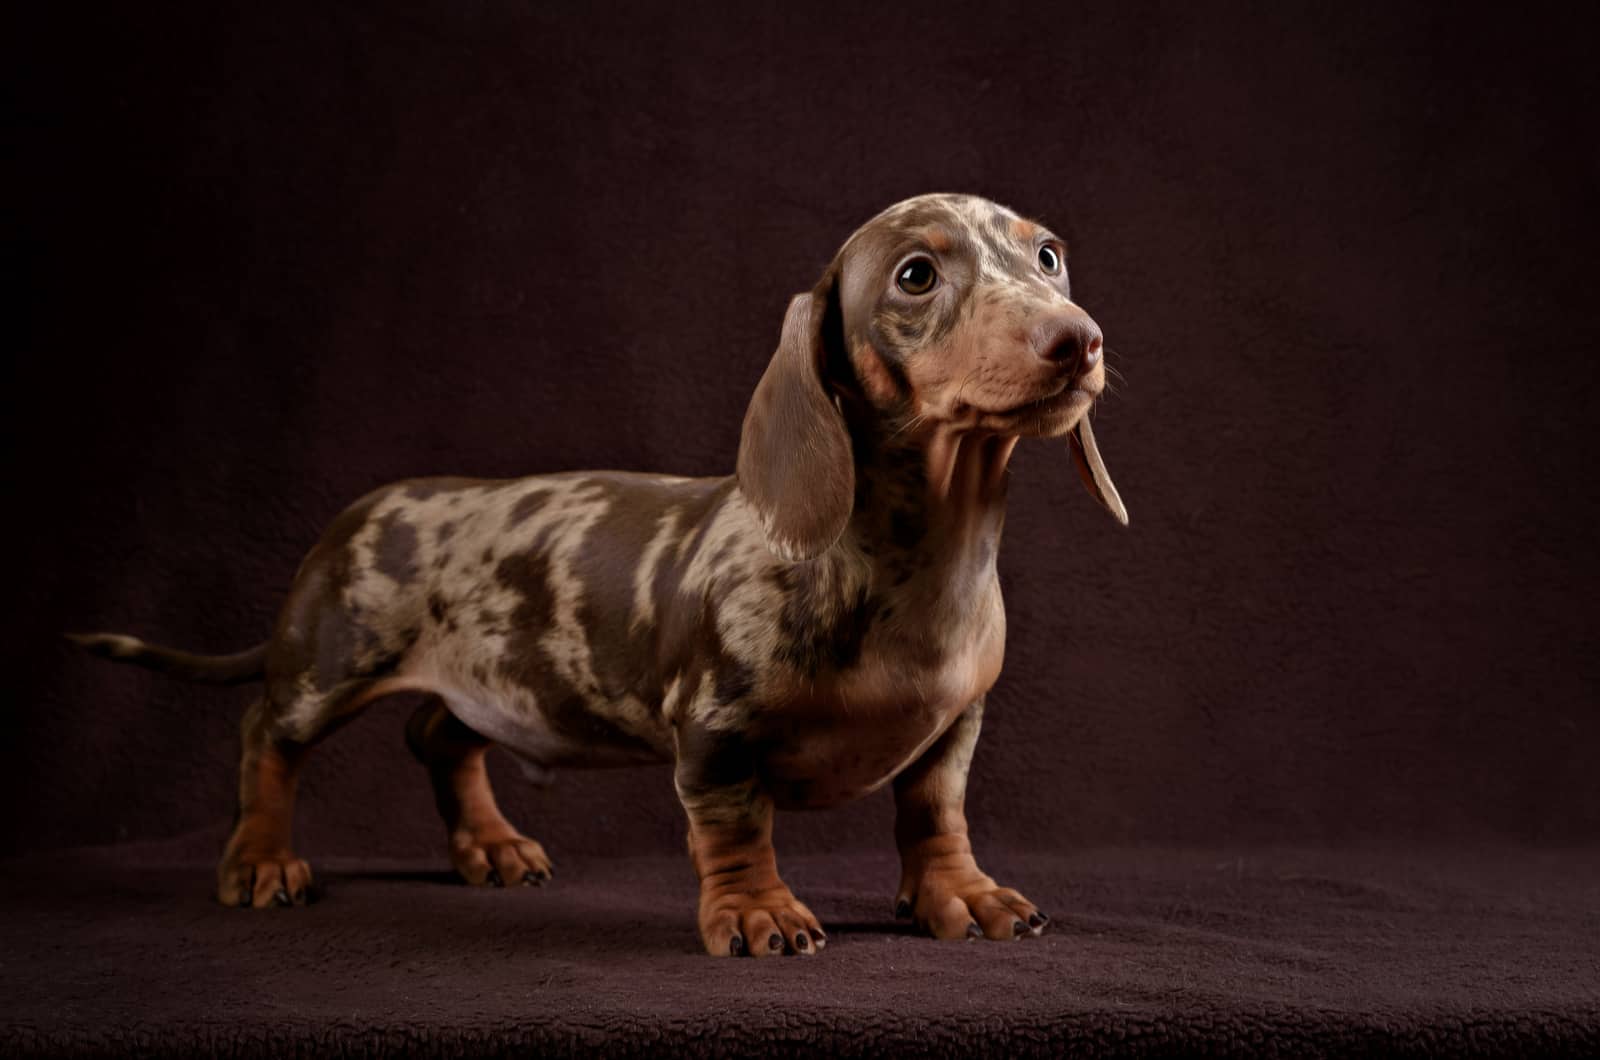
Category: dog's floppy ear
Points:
column 796, row 467
column 1093, row 470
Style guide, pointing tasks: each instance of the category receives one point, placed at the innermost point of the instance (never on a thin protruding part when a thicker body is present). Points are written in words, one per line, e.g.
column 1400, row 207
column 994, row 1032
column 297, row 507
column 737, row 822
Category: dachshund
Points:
column 823, row 622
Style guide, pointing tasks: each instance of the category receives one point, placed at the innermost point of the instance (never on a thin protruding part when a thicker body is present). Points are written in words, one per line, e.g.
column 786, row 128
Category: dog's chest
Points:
column 849, row 735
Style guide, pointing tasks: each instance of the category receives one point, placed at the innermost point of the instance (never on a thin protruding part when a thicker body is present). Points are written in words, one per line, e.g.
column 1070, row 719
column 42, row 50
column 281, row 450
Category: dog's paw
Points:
column 263, row 880
column 982, row 910
column 949, row 897
column 506, row 859
column 768, row 922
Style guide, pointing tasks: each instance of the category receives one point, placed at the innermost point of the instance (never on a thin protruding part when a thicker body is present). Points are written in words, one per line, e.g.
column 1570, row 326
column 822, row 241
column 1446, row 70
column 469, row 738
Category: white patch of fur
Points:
column 644, row 576
column 671, row 700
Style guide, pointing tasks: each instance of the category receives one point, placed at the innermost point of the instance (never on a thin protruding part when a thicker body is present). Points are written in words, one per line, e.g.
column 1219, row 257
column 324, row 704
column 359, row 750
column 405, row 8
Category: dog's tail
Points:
column 237, row 669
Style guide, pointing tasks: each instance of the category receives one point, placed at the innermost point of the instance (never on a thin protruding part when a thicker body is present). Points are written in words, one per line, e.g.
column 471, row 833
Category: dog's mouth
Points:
column 1050, row 416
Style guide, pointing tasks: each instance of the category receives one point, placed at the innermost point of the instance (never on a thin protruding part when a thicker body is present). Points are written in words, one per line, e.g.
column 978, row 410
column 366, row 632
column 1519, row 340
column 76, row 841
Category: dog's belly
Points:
column 544, row 724
column 845, row 761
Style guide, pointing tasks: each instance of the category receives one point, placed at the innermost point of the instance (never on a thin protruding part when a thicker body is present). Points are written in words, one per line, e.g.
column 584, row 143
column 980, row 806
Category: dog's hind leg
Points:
column 259, row 867
column 484, row 847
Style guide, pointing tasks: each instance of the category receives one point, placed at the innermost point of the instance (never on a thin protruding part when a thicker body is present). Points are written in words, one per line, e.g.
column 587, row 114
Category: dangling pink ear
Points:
column 1093, row 470
column 796, row 467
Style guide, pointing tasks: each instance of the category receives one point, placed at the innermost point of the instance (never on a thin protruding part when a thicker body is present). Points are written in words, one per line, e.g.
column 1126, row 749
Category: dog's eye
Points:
column 1050, row 259
column 917, row 276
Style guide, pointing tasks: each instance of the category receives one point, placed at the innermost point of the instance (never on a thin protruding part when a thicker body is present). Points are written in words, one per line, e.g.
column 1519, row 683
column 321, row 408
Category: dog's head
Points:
column 943, row 313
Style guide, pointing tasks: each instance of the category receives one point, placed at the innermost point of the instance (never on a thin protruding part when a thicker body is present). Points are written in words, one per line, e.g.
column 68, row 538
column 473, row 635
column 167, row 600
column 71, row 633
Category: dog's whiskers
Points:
column 906, row 426
column 1115, row 378
column 964, row 382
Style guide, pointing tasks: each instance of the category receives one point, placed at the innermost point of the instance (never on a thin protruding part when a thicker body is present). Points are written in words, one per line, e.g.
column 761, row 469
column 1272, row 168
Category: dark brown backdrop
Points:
column 275, row 255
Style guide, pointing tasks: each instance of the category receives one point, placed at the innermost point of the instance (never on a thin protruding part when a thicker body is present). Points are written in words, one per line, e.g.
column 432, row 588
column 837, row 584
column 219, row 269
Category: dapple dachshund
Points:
column 823, row 622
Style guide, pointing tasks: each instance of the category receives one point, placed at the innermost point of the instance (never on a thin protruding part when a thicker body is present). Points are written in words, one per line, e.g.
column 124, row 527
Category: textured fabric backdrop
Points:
column 274, row 256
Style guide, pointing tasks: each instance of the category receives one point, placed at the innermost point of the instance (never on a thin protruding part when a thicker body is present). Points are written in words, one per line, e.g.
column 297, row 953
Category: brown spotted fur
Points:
column 824, row 622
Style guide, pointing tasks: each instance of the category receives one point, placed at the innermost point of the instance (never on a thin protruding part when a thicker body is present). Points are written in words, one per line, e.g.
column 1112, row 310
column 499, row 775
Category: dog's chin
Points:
column 1048, row 417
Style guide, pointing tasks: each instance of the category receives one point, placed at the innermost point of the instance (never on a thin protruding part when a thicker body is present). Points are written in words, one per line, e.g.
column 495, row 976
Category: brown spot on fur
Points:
column 338, row 642
column 528, row 575
column 395, row 551
column 937, row 238
column 1023, row 230
column 605, row 564
column 734, row 680
column 444, row 532
column 347, row 650
column 724, row 552
column 528, row 664
column 526, row 507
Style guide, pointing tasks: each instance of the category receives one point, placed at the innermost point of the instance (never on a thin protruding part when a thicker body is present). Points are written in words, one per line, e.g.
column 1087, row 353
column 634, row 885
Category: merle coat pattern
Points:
column 822, row 623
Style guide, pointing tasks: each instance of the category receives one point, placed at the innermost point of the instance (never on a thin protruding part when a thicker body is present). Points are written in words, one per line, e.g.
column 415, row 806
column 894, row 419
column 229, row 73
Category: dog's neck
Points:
column 931, row 506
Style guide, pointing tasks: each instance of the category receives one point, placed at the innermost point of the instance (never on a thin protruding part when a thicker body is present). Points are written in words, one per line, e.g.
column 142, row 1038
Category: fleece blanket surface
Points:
column 274, row 256
column 1151, row 951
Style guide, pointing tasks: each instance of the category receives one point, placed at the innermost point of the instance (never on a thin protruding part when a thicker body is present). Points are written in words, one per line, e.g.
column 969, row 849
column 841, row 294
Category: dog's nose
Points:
column 1074, row 342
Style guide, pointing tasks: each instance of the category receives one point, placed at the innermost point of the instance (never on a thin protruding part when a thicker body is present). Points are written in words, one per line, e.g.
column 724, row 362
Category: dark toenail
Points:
column 281, row 897
column 1045, row 917
column 299, row 897
column 1018, row 928
column 775, row 942
column 1036, row 919
column 530, row 879
column 974, row 931
column 736, row 947
column 902, row 910
column 801, row 942
column 494, row 879
column 244, row 897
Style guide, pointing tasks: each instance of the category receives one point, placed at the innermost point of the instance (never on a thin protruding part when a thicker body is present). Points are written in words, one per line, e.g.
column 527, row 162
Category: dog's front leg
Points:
column 941, row 886
column 745, row 908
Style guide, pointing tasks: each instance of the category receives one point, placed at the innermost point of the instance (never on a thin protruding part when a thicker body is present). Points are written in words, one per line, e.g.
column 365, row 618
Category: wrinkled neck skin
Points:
column 929, row 509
